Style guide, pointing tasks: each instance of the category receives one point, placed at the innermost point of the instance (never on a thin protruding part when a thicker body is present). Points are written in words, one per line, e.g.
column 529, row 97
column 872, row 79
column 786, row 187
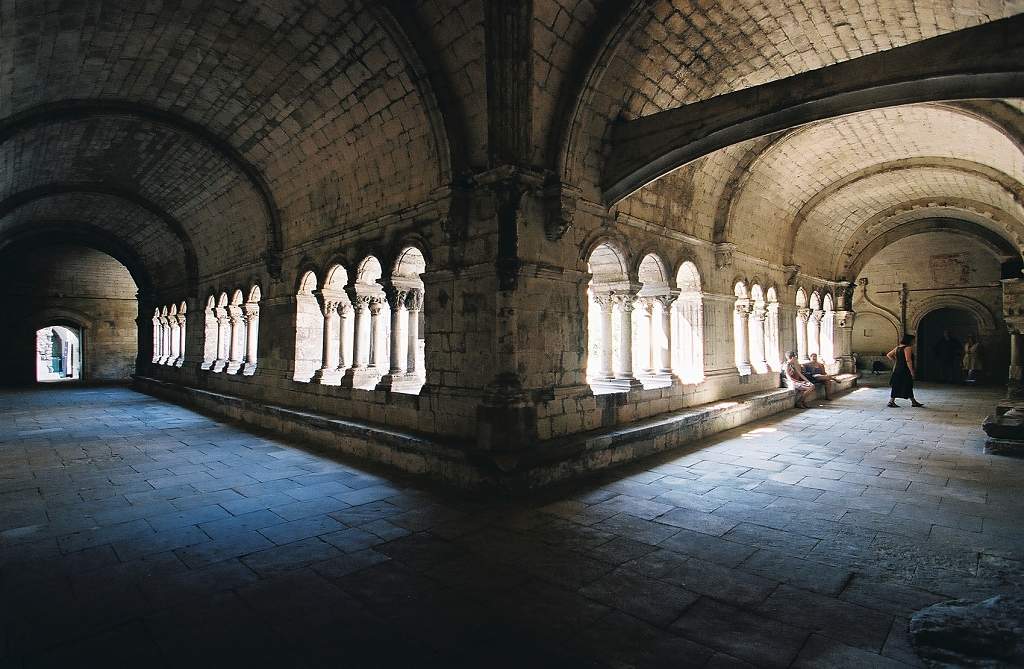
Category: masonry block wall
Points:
column 75, row 286
column 254, row 148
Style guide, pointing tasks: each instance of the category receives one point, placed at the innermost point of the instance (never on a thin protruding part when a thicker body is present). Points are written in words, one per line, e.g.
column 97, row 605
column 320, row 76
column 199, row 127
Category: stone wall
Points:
column 68, row 285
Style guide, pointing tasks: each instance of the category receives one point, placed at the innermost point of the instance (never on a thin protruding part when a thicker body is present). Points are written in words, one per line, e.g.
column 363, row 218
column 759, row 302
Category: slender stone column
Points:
column 1015, row 378
column 663, row 342
column 624, row 358
column 771, row 337
column 172, row 328
column 377, row 332
column 604, row 336
column 399, row 332
column 157, row 339
column 236, row 346
column 180, row 360
column 414, row 305
column 328, row 372
column 758, row 321
column 223, row 331
column 251, row 314
column 743, row 336
column 802, row 316
column 646, row 334
column 361, row 345
column 345, row 336
column 814, row 332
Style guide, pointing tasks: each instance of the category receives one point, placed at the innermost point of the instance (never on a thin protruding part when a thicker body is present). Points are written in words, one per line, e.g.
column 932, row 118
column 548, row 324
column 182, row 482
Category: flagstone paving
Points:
column 139, row 533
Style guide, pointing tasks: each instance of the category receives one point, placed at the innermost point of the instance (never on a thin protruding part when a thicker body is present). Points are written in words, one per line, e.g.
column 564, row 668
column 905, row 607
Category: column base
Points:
column 327, row 377
column 744, row 370
column 233, row 367
column 248, row 369
column 616, row 385
column 179, row 361
column 218, row 366
column 363, row 378
column 658, row 379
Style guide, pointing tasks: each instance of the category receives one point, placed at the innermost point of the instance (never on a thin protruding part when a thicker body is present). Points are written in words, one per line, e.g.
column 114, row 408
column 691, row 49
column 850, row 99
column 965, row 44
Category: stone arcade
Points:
column 508, row 243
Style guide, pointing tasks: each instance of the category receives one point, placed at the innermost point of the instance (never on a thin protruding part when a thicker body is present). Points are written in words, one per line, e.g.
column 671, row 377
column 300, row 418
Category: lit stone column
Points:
column 345, row 336
column 235, row 344
column 377, row 332
column 663, row 338
column 604, row 336
column 399, row 332
column 1015, row 378
column 413, row 306
column 361, row 345
column 771, row 340
column 328, row 372
column 221, row 313
column 182, row 319
column 742, row 337
column 156, row 338
column 646, row 334
column 172, row 326
column 843, row 340
column 814, row 332
column 624, row 360
column 802, row 316
column 758, row 321
column 251, row 314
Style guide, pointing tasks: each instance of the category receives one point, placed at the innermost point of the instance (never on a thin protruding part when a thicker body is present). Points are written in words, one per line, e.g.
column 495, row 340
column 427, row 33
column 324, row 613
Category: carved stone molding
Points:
column 724, row 255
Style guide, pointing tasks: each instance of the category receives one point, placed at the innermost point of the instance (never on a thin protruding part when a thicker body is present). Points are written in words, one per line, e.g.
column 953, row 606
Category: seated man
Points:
column 815, row 371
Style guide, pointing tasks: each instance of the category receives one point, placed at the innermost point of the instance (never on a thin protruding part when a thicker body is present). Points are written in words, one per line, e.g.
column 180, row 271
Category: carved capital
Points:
column 803, row 313
column 625, row 301
column 560, row 208
column 667, row 300
column 723, row 255
column 251, row 309
column 414, row 300
column 743, row 308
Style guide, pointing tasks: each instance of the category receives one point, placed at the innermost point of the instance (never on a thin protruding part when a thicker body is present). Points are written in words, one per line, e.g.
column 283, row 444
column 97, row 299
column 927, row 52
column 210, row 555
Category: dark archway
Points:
column 932, row 364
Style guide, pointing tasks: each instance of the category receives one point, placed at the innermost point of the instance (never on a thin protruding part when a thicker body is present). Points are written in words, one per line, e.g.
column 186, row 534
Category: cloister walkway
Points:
column 139, row 533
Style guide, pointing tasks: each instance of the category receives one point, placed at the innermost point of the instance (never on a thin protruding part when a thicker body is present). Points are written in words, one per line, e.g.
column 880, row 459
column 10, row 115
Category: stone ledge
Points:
column 460, row 465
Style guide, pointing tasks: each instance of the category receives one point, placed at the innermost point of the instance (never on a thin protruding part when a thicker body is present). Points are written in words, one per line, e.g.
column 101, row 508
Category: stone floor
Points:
column 138, row 533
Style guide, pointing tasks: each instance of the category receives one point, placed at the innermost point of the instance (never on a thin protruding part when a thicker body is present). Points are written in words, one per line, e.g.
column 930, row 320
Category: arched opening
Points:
column 741, row 327
column 59, row 353
column 814, row 317
column 209, row 333
column 251, row 316
column 338, row 329
column 610, row 298
column 370, row 327
column 309, row 327
column 800, row 324
column 406, row 372
column 688, row 330
column 939, row 358
column 652, row 329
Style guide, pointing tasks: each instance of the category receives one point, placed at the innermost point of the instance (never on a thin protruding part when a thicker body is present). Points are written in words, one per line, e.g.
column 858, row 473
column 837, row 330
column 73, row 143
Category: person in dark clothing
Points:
column 949, row 352
column 902, row 379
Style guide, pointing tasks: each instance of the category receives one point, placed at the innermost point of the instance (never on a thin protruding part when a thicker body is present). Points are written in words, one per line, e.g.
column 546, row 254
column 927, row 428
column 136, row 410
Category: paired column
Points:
column 236, row 345
column 414, row 307
column 603, row 336
column 251, row 316
column 380, row 345
column 625, row 301
column 758, row 331
column 663, row 339
column 346, row 335
column 158, row 336
column 223, row 330
column 646, row 334
column 814, row 332
column 180, row 360
column 399, row 358
column 802, row 316
column 771, row 337
column 328, row 372
column 743, row 336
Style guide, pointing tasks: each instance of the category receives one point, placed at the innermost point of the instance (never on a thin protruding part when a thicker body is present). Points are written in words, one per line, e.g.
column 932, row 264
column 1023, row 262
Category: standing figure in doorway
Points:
column 902, row 379
column 949, row 352
column 972, row 359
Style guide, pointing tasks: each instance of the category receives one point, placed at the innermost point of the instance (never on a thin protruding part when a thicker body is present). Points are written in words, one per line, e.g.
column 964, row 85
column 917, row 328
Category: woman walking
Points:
column 902, row 379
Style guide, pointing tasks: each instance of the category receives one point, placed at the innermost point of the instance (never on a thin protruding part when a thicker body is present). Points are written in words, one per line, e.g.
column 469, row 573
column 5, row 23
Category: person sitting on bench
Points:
column 815, row 371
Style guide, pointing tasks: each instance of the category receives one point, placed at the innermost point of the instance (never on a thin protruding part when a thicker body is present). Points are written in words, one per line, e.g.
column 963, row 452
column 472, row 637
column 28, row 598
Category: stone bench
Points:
column 462, row 465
